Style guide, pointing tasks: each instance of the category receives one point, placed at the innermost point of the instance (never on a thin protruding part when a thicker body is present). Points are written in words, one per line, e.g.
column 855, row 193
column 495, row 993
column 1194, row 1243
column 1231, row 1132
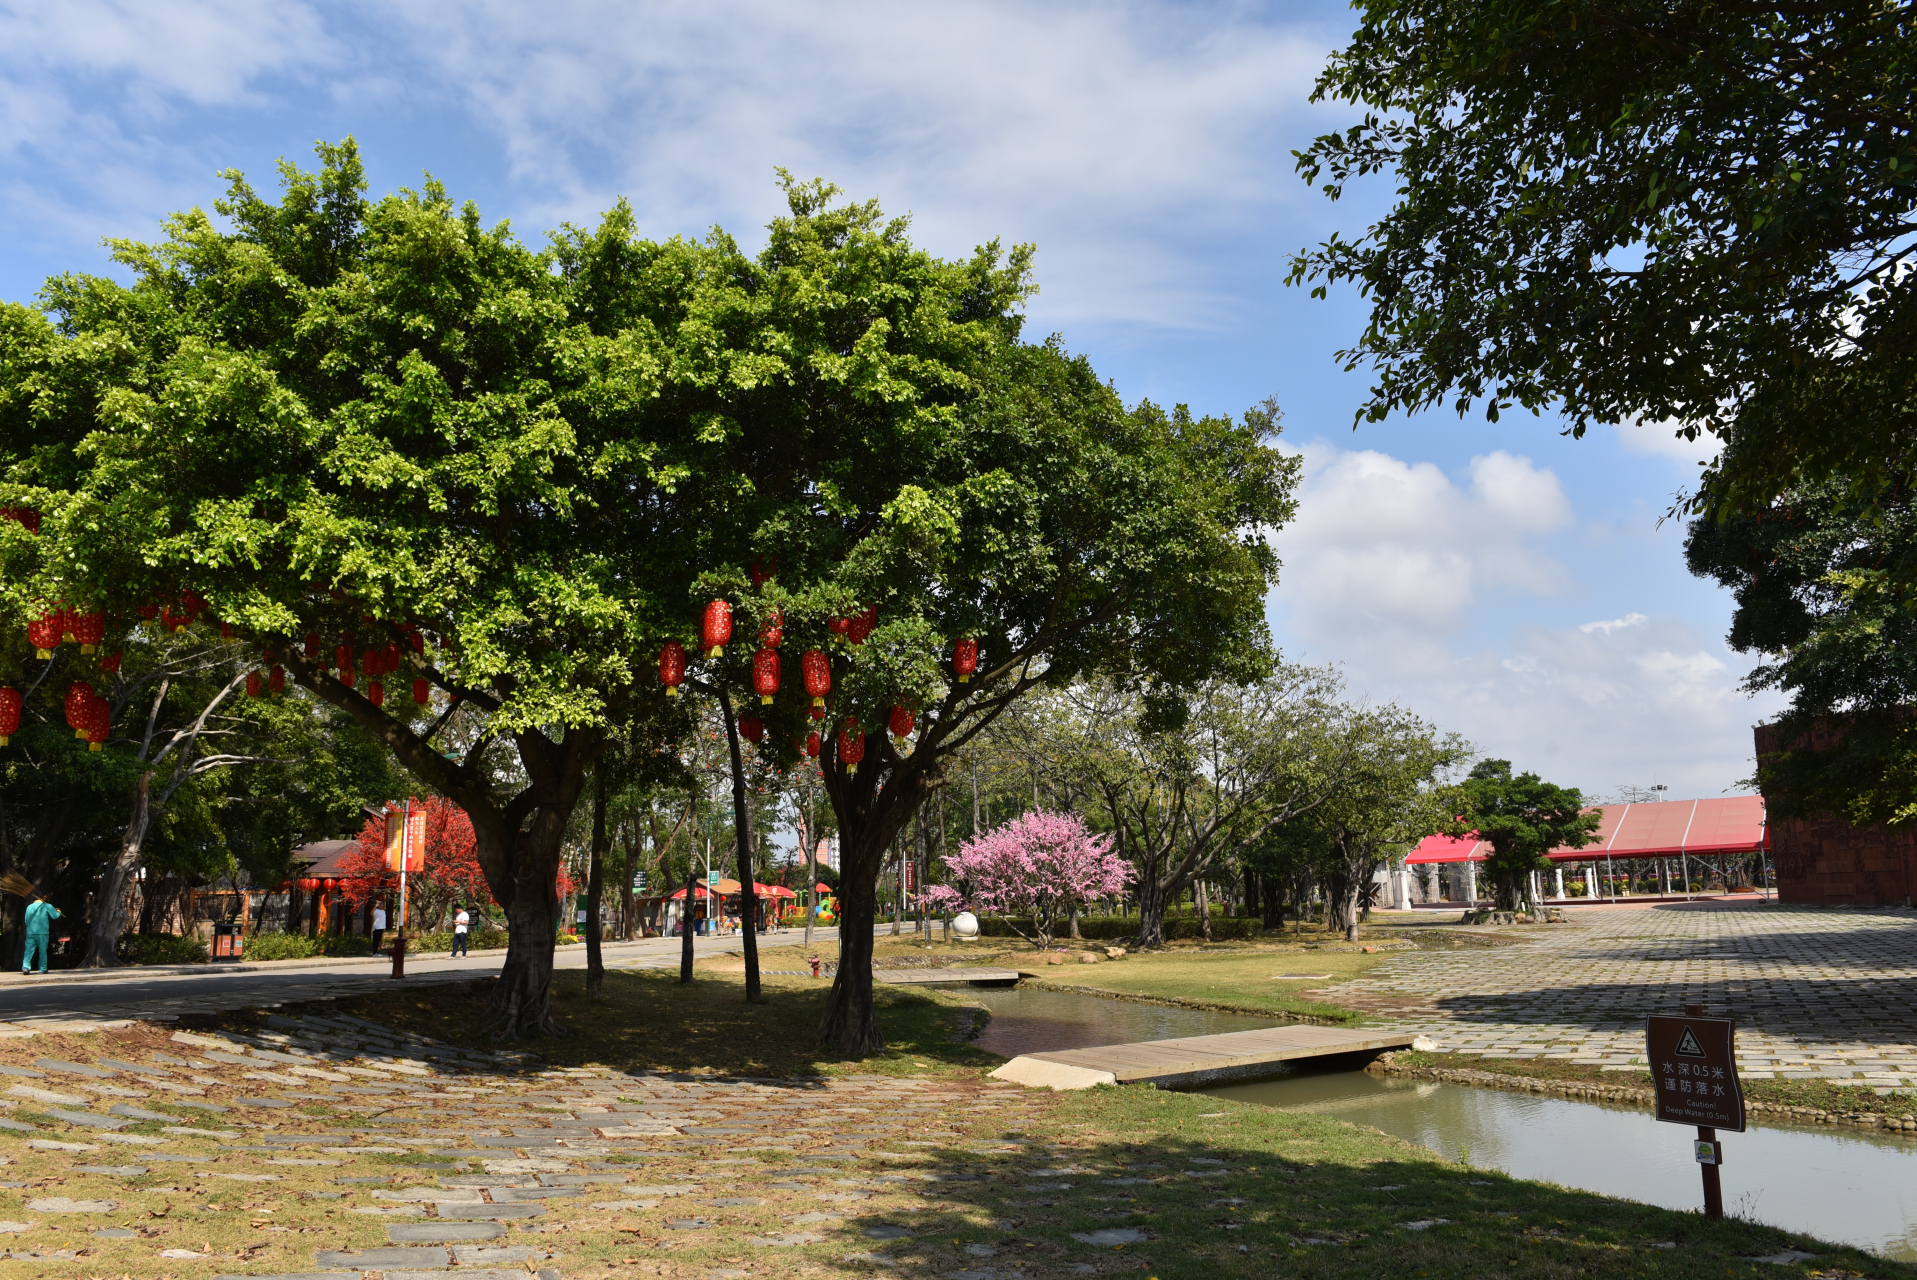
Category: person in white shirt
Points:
column 379, row 925
column 461, row 922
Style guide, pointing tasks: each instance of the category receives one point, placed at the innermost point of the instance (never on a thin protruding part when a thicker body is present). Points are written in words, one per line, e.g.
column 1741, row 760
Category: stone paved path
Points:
column 1819, row 992
column 326, row 1145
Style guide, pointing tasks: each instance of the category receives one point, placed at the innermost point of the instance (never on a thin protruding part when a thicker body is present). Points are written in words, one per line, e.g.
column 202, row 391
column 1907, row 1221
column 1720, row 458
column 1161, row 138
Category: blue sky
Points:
column 1507, row 582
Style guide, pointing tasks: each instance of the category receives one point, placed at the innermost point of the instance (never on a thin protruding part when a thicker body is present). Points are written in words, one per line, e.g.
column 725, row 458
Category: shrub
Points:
column 159, row 948
column 442, row 940
column 1111, row 928
column 280, row 946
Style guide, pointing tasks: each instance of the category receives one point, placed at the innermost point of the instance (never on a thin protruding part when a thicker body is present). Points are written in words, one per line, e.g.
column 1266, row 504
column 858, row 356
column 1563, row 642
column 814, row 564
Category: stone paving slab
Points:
column 1818, row 992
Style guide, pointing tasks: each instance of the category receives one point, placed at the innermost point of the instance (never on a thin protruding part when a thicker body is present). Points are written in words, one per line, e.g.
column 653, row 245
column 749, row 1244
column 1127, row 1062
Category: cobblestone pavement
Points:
column 1819, row 993
column 327, row 1145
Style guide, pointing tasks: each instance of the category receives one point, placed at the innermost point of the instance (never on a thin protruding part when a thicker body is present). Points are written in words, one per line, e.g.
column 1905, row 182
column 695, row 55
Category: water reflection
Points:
column 1837, row 1184
column 1032, row 1020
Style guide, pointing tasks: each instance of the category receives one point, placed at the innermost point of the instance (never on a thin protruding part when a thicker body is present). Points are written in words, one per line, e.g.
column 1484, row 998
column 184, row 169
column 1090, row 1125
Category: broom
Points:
column 14, row 882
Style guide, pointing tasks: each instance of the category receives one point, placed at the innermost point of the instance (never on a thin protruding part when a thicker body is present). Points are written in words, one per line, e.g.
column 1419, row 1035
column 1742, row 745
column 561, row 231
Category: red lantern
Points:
column 765, row 674
column 901, row 724
column 346, row 676
column 672, row 667
column 817, row 669
column 76, row 706
column 715, row 629
column 88, row 628
column 309, row 884
column 812, row 745
column 252, row 684
column 10, row 704
column 343, row 657
column 98, row 721
column 111, row 662
column 753, row 728
column 772, row 630
column 417, row 640
column 313, row 643
column 421, row 692
column 372, row 663
column 964, row 657
column 226, row 631
column 861, row 625
column 839, row 626
column 25, row 517
column 851, row 746
column 761, row 572
column 276, row 681
column 44, row 633
column 149, row 611
column 376, row 694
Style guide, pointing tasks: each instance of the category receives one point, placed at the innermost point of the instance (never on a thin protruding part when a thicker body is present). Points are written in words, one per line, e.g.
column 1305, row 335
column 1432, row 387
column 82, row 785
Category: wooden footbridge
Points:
column 1197, row 1061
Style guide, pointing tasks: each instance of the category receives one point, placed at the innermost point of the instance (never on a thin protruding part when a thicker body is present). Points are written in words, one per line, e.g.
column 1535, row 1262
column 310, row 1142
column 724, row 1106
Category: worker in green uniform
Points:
column 40, row 917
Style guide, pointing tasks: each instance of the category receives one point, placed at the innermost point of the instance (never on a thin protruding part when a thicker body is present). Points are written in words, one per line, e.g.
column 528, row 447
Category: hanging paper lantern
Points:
column 753, row 728
column 715, row 629
column 346, row 675
column 851, row 746
column 672, row 667
column 861, row 625
column 416, row 640
column 765, row 674
column 88, row 628
column 838, row 627
column 817, row 669
column 421, row 692
column 25, row 517
column 313, row 643
column 343, row 657
column 149, row 611
column 75, row 705
column 309, row 884
column 376, row 694
column 111, row 662
column 226, row 631
column 762, row 572
column 10, row 704
column 900, row 722
column 276, row 681
column 97, row 721
column 372, row 663
column 44, row 633
column 964, row 658
column 253, row 684
column 812, row 745
column 772, row 630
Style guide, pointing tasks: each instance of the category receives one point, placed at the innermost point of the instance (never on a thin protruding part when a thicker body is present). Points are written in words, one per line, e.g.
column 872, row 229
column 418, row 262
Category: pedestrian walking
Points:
column 379, row 926
column 40, row 917
column 461, row 922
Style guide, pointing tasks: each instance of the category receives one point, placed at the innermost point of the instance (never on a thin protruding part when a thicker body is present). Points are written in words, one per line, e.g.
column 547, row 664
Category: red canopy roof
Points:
column 1733, row 824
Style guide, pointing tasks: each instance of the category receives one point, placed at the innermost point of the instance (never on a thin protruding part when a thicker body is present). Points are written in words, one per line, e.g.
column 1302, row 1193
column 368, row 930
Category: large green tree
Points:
column 1522, row 817
column 1824, row 597
column 1630, row 210
column 382, row 426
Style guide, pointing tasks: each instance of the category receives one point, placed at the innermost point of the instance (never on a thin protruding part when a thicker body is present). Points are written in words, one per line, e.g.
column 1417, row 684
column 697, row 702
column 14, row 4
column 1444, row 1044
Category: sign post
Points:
column 1694, row 1072
column 405, row 851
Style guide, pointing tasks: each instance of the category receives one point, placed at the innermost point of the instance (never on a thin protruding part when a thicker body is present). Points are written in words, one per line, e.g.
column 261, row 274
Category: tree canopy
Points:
column 1522, row 817
column 1698, row 215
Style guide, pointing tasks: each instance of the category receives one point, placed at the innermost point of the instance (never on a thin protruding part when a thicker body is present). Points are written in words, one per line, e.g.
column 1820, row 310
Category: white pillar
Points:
column 1471, row 881
column 1558, row 871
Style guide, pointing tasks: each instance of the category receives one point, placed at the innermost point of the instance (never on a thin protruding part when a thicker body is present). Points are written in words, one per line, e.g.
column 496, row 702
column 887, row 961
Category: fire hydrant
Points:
column 814, row 962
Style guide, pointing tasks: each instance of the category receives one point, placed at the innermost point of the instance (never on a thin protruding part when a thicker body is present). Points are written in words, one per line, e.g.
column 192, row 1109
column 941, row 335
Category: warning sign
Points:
column 1694, row 1069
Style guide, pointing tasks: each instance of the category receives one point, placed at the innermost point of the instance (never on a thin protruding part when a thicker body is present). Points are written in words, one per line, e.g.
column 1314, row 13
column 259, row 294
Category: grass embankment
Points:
column 1557, row 1075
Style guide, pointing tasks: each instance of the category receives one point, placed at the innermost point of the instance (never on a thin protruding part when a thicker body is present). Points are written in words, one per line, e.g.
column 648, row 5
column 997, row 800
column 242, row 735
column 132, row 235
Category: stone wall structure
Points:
column 1825, row 861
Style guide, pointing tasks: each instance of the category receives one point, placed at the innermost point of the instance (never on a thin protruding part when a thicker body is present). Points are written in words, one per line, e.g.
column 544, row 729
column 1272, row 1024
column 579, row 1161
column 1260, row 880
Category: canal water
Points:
column 1837, row 1184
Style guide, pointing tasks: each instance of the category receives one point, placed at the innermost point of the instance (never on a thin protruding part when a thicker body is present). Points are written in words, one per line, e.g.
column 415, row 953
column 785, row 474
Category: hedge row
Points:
column 1113, row 928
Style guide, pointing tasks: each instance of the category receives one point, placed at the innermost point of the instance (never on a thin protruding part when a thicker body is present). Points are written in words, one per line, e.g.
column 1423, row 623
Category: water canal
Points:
column 1838, row 1184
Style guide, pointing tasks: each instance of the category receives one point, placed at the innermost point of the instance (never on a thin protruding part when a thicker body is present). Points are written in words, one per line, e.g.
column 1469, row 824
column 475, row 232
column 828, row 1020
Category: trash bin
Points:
column 228, row 942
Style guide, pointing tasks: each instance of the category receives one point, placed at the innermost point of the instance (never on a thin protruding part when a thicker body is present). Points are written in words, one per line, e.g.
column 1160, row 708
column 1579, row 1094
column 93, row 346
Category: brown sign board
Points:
column 1694, row 1070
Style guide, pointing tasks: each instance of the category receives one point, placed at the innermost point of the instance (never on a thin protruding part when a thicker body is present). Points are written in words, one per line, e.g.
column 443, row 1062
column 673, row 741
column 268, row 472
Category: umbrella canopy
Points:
column 823, row 887
column 700, row 892
column 774, row 891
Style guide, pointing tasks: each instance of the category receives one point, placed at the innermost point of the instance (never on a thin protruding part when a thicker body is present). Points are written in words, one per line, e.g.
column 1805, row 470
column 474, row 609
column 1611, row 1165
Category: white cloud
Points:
column 1388, row 564
column 1660, row 440
column 1614, row 624
column 1085, row 128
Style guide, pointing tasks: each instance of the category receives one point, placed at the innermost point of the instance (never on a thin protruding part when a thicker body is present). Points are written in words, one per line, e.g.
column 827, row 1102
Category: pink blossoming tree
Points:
column 1036, row 868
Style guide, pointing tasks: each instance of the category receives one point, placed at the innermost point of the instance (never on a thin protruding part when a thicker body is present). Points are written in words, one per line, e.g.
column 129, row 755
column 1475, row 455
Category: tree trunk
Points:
column 851, row 1025
column 1254, row 904
column 110, row 916
column 595, row 886
column 1151, row 910
column 1201, row 903
column 522, row 996
column 685, row 915
column 742, row 826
